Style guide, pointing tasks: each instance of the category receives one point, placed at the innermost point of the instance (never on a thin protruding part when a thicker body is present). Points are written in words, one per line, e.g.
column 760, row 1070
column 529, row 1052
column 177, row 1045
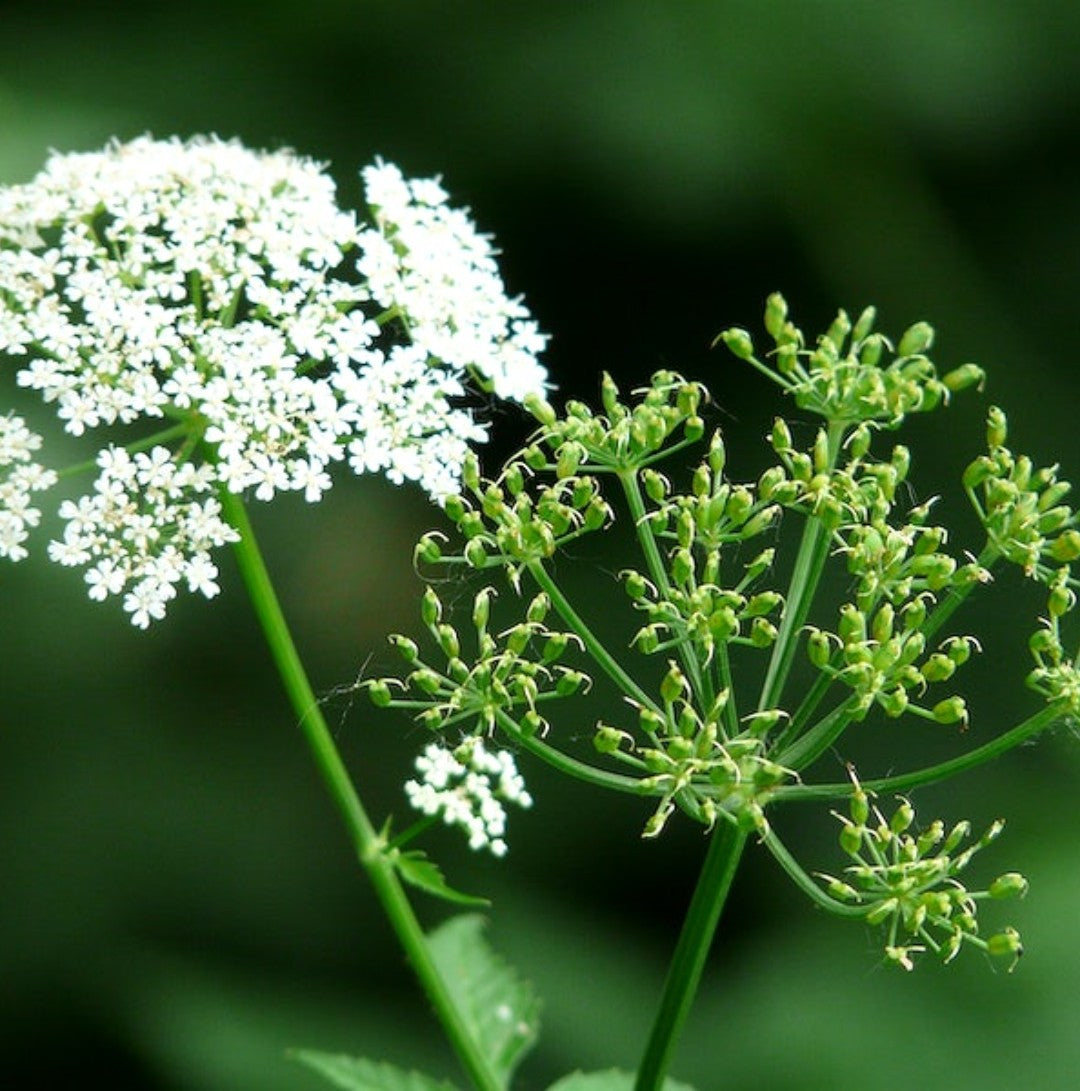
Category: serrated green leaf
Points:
column 610, row 1080
column 359, row 1074
column 417, row 870
column 502, row 1009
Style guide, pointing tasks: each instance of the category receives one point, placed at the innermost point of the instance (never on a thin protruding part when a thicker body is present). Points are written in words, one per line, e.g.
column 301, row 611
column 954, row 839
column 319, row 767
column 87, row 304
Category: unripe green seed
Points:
column 475, row 553
column 379, row 692
column 950, row 711
column 1010, row 885
column 430, row 607
column 739, row 343
column 997, row 428
column 776, row 311
column 964, row 376
column 916, row 339
column 538, row 609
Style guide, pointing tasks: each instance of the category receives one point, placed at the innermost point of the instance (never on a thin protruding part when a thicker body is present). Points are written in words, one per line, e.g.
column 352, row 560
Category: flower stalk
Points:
column 369, row 845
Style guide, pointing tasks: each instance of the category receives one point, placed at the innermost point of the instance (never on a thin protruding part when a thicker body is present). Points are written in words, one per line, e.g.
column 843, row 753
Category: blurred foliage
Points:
column 179, row 906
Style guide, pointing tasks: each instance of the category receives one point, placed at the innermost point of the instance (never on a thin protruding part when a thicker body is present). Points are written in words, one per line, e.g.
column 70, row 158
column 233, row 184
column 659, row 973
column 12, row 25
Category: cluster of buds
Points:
column 507, row 675
column 504, row 523
column 883, row 660
column 1056, row 675
column 1021, row 506
column 692, row 758
column 845, row 377
column 906, row 881
column 624, row 437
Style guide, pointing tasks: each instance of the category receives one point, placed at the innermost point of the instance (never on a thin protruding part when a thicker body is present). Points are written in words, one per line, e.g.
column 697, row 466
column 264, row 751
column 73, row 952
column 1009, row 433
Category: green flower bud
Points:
column 938, row 668
column 647, row 639
column 651, row 722
column 379, row 692
column 570, row 681
column 609, row 395
column 902, row 817
column 838, row 330
column 534, row 457
column 597, row 514
column 781, row 436
column 448, row 641
column 635, row 583
column 1010, row 885
column 1054, row 519
column 430, row 607
column 538, row 609
column 657, row 487
column 763, row 603
column 859, row 442
column 427, row 550
column 570, row 458
column 431, row 718
column 852, row 624
column 978, row 472
column 864, row 324
column 787, row 358
column 532, row 723
column 964, row 376
column 950, row 711
column 717, row 454
column 958, row 834
column 425, row 680
column 997, row 428
column 776, row 311
column 682, row 567
column 739, row 505
column 1065, row 548
column 916, row 339
column 554, row 647
column 769, row 481
column 673, row 685
column 739, row 343
column 406, row 648
column 1005, row 944
column 760, row 522
column 818, row 648
column 541, row 409
column 851, row 838
column 607, row 740
column 872, row 348
column 475, row 553
column 701, row 484
column 693, row 428
column 895, row 702
column 882, row 628
column 1060, row 600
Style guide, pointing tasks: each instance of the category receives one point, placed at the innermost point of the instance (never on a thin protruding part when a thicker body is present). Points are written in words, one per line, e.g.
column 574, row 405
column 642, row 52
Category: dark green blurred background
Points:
column 177, row 903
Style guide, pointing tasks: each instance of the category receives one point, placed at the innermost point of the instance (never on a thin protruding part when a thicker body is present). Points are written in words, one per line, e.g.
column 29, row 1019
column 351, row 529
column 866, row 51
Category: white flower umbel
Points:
column 214, row 290
column 467, row 786
column 20, row 478
column 427, row 261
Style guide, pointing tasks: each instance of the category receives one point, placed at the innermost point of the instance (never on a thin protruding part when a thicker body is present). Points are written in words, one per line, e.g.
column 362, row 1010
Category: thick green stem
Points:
column 809, row 563
column 367, row 842
column 1032, row 726
column 725, row 850
column 655, row 562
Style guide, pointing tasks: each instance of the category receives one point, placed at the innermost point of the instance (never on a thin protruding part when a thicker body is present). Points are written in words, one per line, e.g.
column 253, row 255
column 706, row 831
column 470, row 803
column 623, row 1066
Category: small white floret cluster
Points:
column 468, row 786
column 223, row 293
column 20, row 478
